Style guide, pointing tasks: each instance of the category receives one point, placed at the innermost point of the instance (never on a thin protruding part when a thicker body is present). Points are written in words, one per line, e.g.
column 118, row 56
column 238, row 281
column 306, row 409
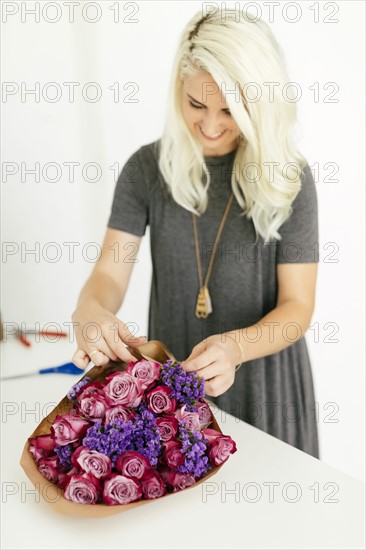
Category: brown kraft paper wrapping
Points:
column 51, row 493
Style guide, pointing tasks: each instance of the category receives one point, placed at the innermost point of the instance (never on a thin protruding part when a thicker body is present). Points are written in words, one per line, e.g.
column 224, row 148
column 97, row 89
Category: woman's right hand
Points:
column 98, row 329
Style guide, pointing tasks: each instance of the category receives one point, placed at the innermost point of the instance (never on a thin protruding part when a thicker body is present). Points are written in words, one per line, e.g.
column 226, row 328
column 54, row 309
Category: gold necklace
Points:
column 204, row 304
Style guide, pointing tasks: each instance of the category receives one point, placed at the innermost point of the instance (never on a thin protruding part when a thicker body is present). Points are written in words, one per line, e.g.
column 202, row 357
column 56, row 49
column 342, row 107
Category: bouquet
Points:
column 137, row 434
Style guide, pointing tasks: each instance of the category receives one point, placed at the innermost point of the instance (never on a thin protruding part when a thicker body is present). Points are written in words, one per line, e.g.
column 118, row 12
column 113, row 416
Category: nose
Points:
column 212, row 125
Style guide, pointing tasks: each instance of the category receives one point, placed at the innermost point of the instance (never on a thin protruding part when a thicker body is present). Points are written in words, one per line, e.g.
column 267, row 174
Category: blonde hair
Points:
column 235, row 52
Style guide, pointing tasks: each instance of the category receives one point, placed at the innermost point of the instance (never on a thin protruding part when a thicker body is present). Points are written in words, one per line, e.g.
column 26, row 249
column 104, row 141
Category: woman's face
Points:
column 207, row 115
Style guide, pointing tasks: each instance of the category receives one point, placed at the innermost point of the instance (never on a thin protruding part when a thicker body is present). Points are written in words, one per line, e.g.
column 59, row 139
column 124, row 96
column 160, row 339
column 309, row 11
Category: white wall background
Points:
column 36, row 289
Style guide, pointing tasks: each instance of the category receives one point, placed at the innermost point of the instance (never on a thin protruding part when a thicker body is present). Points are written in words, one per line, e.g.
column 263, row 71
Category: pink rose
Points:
column 67, row 428
column 119, row 412
column 172, row 454
column 124, row 389
column 158, row 400
column 93, row 388
column 121, row 490
column 92, row 406
column 93, row 462
column 64, row 478
column 146, row 371
column 167, row 426
column 220, row 446
column 111, row 375
column 153, row 485
column 177, row 480
column 191, row 419
column 205, row 414
column 49, row 468
column 133, row 464
column 84, row 489
column 41, row 446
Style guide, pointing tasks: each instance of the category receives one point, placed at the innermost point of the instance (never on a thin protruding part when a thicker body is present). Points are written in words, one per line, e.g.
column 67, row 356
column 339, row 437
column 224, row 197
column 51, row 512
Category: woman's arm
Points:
column 216, row 357
column 108, row 282
column 288, row 321
column 94, row 321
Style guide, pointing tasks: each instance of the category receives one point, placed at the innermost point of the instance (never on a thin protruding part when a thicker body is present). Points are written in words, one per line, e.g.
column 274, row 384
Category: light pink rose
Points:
column 191, row 419
column 172, row 454
column 93, row 406
column 146, row 371
column 84, row 489
column 67, row 428
column 119, row 412
column 205, row 414
column 133, row 464
column 93, row 462
column 167, row 426
column 119, row 489
column 220, row 446
column 153, row 485
column 158, row 400
column 124, row 389
column 49, row 468
column 41, row 446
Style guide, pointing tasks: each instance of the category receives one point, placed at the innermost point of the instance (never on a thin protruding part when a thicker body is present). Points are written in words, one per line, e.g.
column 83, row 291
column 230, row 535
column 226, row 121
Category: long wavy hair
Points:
column 235, row 51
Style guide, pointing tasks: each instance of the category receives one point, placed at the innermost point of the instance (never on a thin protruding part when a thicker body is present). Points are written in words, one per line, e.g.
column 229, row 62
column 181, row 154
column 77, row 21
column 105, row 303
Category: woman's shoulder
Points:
column 149, row 152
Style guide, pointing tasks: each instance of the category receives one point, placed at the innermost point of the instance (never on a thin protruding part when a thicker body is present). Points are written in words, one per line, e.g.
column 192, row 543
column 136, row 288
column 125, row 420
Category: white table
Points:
column 268, row 495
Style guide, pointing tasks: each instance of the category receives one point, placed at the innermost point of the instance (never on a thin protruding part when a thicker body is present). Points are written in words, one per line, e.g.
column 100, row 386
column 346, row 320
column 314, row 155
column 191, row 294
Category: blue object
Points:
column 66, row 368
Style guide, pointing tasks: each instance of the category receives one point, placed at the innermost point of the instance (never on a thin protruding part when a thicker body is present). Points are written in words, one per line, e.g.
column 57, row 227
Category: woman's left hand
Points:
column 214, row 359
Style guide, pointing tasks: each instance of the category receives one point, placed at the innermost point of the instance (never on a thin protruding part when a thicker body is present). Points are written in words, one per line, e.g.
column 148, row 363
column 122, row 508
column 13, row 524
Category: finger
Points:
column 80, row 359
column 135, row 340
column 196, row 351
column 118, row 346
column 105, row 353
column 111, row 346
column 128, row 338
column 210, row 371
column 99, row 358
column 198, row 348
column 202, row 360
column 122, row 352
column 216, row 386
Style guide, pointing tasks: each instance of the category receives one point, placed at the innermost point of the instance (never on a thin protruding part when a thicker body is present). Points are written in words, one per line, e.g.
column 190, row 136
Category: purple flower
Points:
column 186, row 387
column 194, row 448
column 75, row 389
column 64, row 453
column 114, row 438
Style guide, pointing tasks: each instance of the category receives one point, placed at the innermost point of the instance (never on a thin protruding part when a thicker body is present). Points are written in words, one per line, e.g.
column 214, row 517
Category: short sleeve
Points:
column 130, row 206
column 299, row 243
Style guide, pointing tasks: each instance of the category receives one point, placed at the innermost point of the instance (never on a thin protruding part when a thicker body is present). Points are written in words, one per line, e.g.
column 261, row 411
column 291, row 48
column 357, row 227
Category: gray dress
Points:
column 273, row 393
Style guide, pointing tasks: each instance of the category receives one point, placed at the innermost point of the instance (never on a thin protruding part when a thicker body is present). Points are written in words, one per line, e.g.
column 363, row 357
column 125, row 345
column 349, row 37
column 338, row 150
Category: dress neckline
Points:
column 220, row 159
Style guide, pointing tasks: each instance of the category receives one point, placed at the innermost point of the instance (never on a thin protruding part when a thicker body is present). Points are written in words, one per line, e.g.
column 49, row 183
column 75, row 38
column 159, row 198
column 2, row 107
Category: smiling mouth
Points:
column 211, row 138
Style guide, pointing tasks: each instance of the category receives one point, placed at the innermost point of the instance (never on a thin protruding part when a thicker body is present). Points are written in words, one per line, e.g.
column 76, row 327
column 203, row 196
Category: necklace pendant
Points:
column 203, row 305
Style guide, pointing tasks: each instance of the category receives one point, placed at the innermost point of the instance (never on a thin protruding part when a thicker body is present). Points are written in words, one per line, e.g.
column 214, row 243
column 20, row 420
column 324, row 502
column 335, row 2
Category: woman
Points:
column 232, row 210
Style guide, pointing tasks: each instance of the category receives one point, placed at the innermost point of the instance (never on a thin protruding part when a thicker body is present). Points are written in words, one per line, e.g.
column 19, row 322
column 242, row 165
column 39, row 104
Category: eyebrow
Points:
column 195, row 100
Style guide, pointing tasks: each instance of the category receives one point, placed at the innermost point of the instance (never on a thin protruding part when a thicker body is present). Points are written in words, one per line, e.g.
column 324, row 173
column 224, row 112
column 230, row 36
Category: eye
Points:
column 226, row 111
column 195, row 106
